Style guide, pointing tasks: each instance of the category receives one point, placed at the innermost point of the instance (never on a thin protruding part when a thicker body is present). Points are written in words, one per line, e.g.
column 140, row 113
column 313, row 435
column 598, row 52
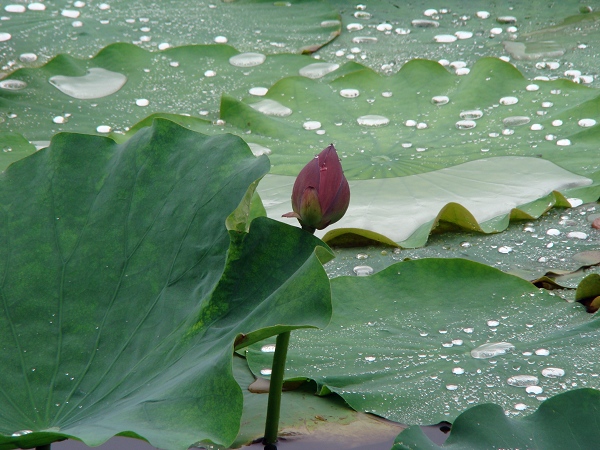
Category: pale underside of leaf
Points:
column 397, row 207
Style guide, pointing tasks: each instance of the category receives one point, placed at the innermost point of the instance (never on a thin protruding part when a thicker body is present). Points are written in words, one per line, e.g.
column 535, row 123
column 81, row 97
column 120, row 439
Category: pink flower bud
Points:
column 321, row 193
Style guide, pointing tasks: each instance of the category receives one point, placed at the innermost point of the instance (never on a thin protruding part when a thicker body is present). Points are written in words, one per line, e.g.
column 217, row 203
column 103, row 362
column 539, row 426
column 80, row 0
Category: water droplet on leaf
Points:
column 586, row 123
column 515, row 121
column 12, row 85
column 97, row 83
column 349, row 93
column 311, row 125
column 103, row 129
column 466, row 124
column 363, row 271
column 21, row 433
column 509, row 100
column 372, row 120
column 269, row 348
column 444, row 38
column 492, row 349
column 318, row 70
column 247, row 59
column 271, row 108
column 424, row 23
column 553, row 372
column 440, row 100
column 258, row 91
column 523, row 380
column 472, row 114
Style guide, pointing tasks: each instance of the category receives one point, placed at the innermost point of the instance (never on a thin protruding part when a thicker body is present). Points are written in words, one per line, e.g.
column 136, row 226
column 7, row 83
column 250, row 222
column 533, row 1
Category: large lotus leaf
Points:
column 567, row 420
column 123, row 84
column 493, row 111
column 545, row 124
column 384, row 35
column 123, row 292
column 405, row 343
column 469, row 195
column 82, row 28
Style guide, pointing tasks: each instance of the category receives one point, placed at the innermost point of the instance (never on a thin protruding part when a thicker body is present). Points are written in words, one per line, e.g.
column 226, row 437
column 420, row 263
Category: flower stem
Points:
column 275, row 388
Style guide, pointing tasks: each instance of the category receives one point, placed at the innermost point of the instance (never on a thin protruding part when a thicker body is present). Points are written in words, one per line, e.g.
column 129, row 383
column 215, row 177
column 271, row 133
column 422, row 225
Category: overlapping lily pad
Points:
column 492, row 112
column 124, row 83
column 556, row 40
column 406, row 342
column 123, row 291
column 39, row 31
column 555, row 251
column 423, row 119
column 479, row 195
column 542, row 39
column 420, row 120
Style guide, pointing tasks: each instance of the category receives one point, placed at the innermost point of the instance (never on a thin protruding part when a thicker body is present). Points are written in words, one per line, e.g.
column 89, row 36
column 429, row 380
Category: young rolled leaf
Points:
column 123, row 291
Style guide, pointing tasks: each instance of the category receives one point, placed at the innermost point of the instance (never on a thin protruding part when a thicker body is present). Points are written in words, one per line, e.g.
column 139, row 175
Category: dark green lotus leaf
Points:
column 405, row 343
column 83, row 29
column 123, row 291
column 566, row 420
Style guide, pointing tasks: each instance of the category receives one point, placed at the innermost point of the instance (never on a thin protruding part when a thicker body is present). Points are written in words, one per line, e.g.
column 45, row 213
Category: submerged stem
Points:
column 275, row 388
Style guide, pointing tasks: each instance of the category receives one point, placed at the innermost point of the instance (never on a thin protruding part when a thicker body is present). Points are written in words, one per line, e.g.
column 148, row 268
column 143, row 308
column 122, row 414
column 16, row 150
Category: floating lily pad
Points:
column 122, row 294
column 384, row 35
column 40, row 31
column 493, row 111
column 124, row 84
column 283, row 123
column 556, row 40
column 560, row 422
column 485, row 116
column 406, row 343
column 469, row 196
column 541, row 251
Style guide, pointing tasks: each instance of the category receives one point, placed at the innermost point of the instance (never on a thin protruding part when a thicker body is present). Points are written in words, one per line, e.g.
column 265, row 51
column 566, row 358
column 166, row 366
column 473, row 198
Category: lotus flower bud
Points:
column 321, row 193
